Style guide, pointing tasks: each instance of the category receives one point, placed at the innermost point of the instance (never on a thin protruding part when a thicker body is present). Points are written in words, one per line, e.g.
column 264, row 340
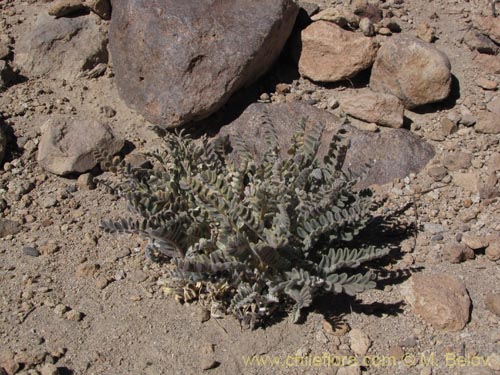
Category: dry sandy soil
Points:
column 128, row 326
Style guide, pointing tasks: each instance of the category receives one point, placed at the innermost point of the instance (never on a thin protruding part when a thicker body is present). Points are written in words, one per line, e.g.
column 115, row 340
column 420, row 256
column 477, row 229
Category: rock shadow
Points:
column 447, row 104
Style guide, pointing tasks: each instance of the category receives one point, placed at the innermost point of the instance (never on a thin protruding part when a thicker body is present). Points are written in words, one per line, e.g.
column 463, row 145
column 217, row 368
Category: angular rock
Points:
column 61, row 48
column 486, row 84
column 331, row 54
column 339, row 15
column 67, row 145
column 180, row 61
column 366, row 27
column 426, row 32
column 382, row 109
column 9, row 227
column 440, row 299
column 364, row 9
column 100, row 7
column 414, row 71
column 492, row 302
column 480, row 43
column 488, row 123
column 360, row 342
column 488, row 25
column 494, row 105
column 468, row 181
column 457, row 253
column 493, row 251
column 394, row 153
column 490, row 64
column 63, row 8
column 457, row 160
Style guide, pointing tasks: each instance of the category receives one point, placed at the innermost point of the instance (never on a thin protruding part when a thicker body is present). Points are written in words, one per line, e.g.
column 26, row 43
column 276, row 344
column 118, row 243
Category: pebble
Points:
column 60, row 309
column 49, row 369
column 493, row 251
column 31, row 251
column 492, row 302
column 86, row 182
column 102, row 282
column 74, row 315
column 360, row 342
column 448, row 127
column 474, row 242
column 486, row 84
column 86, row 269
column 456, row 253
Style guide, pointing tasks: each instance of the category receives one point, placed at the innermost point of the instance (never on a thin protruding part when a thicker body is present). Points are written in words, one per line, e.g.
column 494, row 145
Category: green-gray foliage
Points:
column 251, row 236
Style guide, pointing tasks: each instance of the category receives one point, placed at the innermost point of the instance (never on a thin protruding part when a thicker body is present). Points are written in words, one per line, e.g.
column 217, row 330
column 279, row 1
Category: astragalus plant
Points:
column 252, row 235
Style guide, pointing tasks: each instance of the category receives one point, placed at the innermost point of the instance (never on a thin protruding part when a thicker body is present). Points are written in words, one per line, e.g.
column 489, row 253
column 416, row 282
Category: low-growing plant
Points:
column 249, row 234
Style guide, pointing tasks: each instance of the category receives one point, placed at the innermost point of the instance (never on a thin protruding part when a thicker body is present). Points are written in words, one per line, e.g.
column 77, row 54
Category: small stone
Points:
column 493, row 251
column 448, row 127
column 426, row 32
column 384, row 31
column 437, row 172
column 366, row 27
column 474, row 242
column 101, row 282
column 479, row 42
column 207, row 360
column 86, row 269
column 9, row 227
column 468, row 120
column 108, row 111
column 492, row 302
column 31, row 251
column 60, row 309
column 337, row 328
column 457, row 253
column 65, row 8
column 468, row 181
column 332, row 102
column 494, row 105
column 397, row 352
column 457, row 160
column 488, row 123
column 372, row 107
column 204, row 315
column 100, row 7
column 49, row 369
column 486, row 84
column 74, row 315
column 49, row 248
column 360, row 342
column 86, row 182
column 8, row 362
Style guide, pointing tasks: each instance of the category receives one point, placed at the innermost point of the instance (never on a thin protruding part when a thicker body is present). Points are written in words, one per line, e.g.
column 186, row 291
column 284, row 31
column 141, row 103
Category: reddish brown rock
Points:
column 414, row 71
column 180, row 61
column 331, row 54
column 440, row 299
column 492, row 302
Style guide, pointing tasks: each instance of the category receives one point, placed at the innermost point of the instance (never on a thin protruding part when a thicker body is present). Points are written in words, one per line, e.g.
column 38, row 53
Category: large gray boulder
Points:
column 61, row 48
column 393, row 153
column 179, row 61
